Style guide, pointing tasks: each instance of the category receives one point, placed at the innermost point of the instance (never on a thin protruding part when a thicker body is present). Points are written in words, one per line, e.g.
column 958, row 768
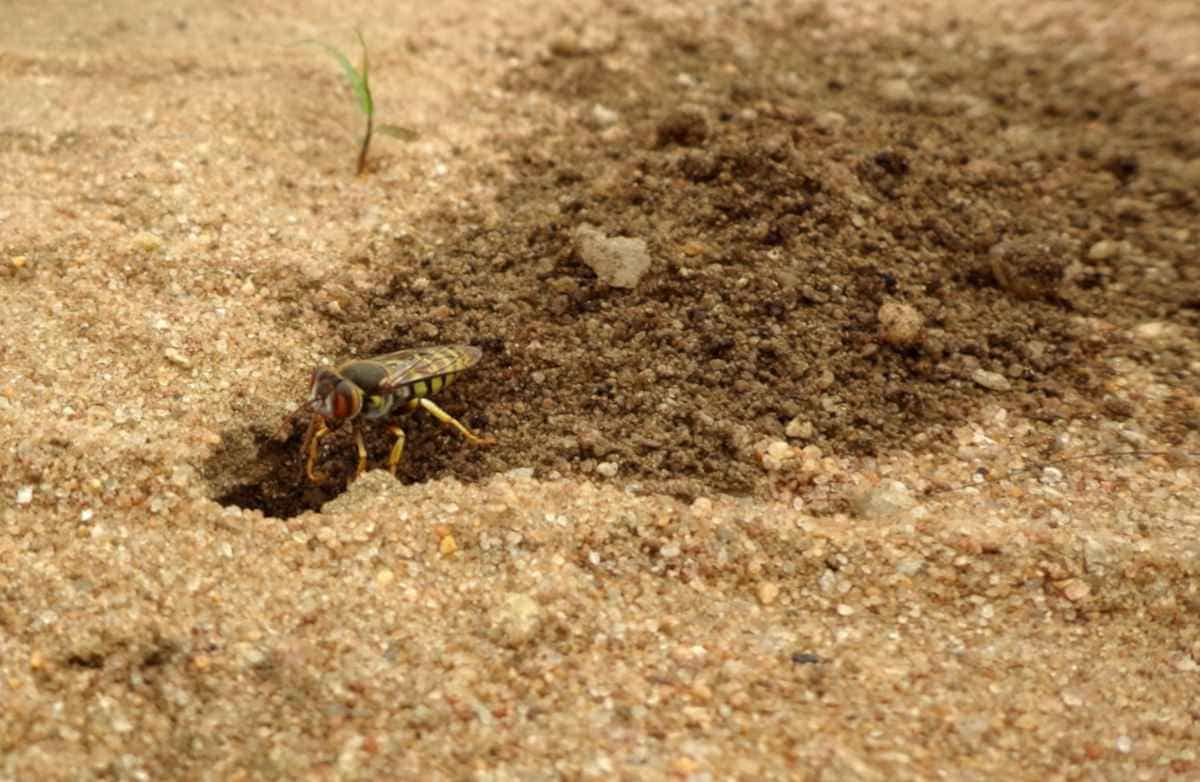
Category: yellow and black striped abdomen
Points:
column 419, row 389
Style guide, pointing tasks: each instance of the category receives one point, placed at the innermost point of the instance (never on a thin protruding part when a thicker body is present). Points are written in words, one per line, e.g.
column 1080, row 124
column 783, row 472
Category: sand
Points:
column 842, row 360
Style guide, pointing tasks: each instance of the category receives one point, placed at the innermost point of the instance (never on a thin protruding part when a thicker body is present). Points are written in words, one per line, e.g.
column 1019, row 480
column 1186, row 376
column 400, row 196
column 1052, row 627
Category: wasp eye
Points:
column 339, row 404
column 345, row 401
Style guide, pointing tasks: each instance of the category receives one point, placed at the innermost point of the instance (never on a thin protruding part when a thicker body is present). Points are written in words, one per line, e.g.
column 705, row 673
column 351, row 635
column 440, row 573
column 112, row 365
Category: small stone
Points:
column 830, row 121
column 1152, row 330
column 448, row 545
column 607, row 469
column 1124, row 744
column 776, row 454
column 620, row 261
column 845, row 610
column 24, row 495
column 603, row 117
column 900, row 324
column 18, row 261
column 768, row 591
column 177, row 358
column 1074, row 589
column 799, row 429
column 1102, row 250
column 1031, row 267
column 516, row 620
column 993, row 381
column 779, row 450
column 1052, row 475
column 384, row 577
column 896, row 91
column 147, row 242
column 879, row 502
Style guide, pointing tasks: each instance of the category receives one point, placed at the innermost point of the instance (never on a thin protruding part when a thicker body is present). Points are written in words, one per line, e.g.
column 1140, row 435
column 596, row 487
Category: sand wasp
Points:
column 373, row 388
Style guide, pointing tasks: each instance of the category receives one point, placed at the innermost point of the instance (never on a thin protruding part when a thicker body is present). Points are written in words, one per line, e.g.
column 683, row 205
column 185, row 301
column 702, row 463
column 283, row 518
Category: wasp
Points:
column 373, row 388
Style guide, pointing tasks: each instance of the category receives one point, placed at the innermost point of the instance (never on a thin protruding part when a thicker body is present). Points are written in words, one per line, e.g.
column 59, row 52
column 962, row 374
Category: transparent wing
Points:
column 409, row 366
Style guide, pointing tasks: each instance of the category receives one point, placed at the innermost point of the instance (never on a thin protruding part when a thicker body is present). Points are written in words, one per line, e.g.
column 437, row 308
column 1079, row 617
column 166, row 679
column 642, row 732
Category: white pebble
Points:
column 993, row 381
column 24, row 495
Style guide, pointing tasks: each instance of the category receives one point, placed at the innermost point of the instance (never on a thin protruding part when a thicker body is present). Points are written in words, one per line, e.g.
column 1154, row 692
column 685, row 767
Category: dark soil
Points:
column 785, row 191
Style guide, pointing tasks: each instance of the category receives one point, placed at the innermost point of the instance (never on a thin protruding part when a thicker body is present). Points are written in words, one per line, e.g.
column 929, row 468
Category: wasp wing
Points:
column 409, row 366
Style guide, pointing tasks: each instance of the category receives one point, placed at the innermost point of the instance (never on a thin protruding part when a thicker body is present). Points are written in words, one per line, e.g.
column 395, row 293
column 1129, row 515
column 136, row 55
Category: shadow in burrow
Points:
column 260, row 466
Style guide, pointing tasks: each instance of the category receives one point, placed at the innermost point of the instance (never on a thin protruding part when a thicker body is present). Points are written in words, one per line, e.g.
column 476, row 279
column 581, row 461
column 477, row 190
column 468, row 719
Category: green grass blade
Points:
column 365, row 95
column 358, row 82
column 397, row 131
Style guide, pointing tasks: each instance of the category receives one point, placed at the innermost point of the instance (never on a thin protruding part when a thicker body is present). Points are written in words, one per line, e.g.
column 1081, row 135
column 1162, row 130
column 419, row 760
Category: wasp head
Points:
column 333, row 396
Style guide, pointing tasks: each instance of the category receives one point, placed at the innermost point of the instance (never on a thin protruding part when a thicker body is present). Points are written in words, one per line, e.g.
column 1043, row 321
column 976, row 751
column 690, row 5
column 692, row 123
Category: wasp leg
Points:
column 316, row 430
column 397, row 449
column 450, row 421
column 362, row 453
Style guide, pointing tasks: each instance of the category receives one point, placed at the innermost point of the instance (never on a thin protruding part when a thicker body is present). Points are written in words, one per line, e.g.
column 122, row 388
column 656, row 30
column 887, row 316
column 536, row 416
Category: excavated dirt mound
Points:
column 1013, row 206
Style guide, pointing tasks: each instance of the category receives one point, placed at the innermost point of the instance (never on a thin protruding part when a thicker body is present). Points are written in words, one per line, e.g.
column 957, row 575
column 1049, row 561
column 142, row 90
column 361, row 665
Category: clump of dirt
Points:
column 786, row 194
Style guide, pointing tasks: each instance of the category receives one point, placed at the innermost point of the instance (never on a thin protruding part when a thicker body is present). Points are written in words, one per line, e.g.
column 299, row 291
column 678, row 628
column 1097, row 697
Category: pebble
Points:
column 24, row 495
column 993, row 381
column 620, row 261
column 768, row 591
column 147, row 242
column 799, row 429
column 448, row 545
column 879, row 502
column 603, row 116
column 608, row 469
column 910, row 567
column 1075, row 589
column 1152, row 330
column 177, row 358
column 900, row 324
column 1102, row 250
column 516, row 620
column 830, row 121
column 776, row 454
column 897, row 91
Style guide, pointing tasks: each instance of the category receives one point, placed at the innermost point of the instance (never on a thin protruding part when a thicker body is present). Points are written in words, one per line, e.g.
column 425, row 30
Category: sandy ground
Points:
column 884, row 468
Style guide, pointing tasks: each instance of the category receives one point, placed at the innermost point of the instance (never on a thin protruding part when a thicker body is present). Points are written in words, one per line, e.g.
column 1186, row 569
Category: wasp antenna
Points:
column 288, row 424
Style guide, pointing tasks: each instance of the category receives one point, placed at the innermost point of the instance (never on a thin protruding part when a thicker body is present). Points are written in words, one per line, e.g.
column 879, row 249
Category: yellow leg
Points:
column 316, row 430
column 362, row 453
column 397, row 449
column 449, row 420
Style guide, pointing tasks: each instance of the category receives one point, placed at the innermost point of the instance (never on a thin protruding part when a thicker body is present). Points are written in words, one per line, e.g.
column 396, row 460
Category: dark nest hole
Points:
column 272, row 466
